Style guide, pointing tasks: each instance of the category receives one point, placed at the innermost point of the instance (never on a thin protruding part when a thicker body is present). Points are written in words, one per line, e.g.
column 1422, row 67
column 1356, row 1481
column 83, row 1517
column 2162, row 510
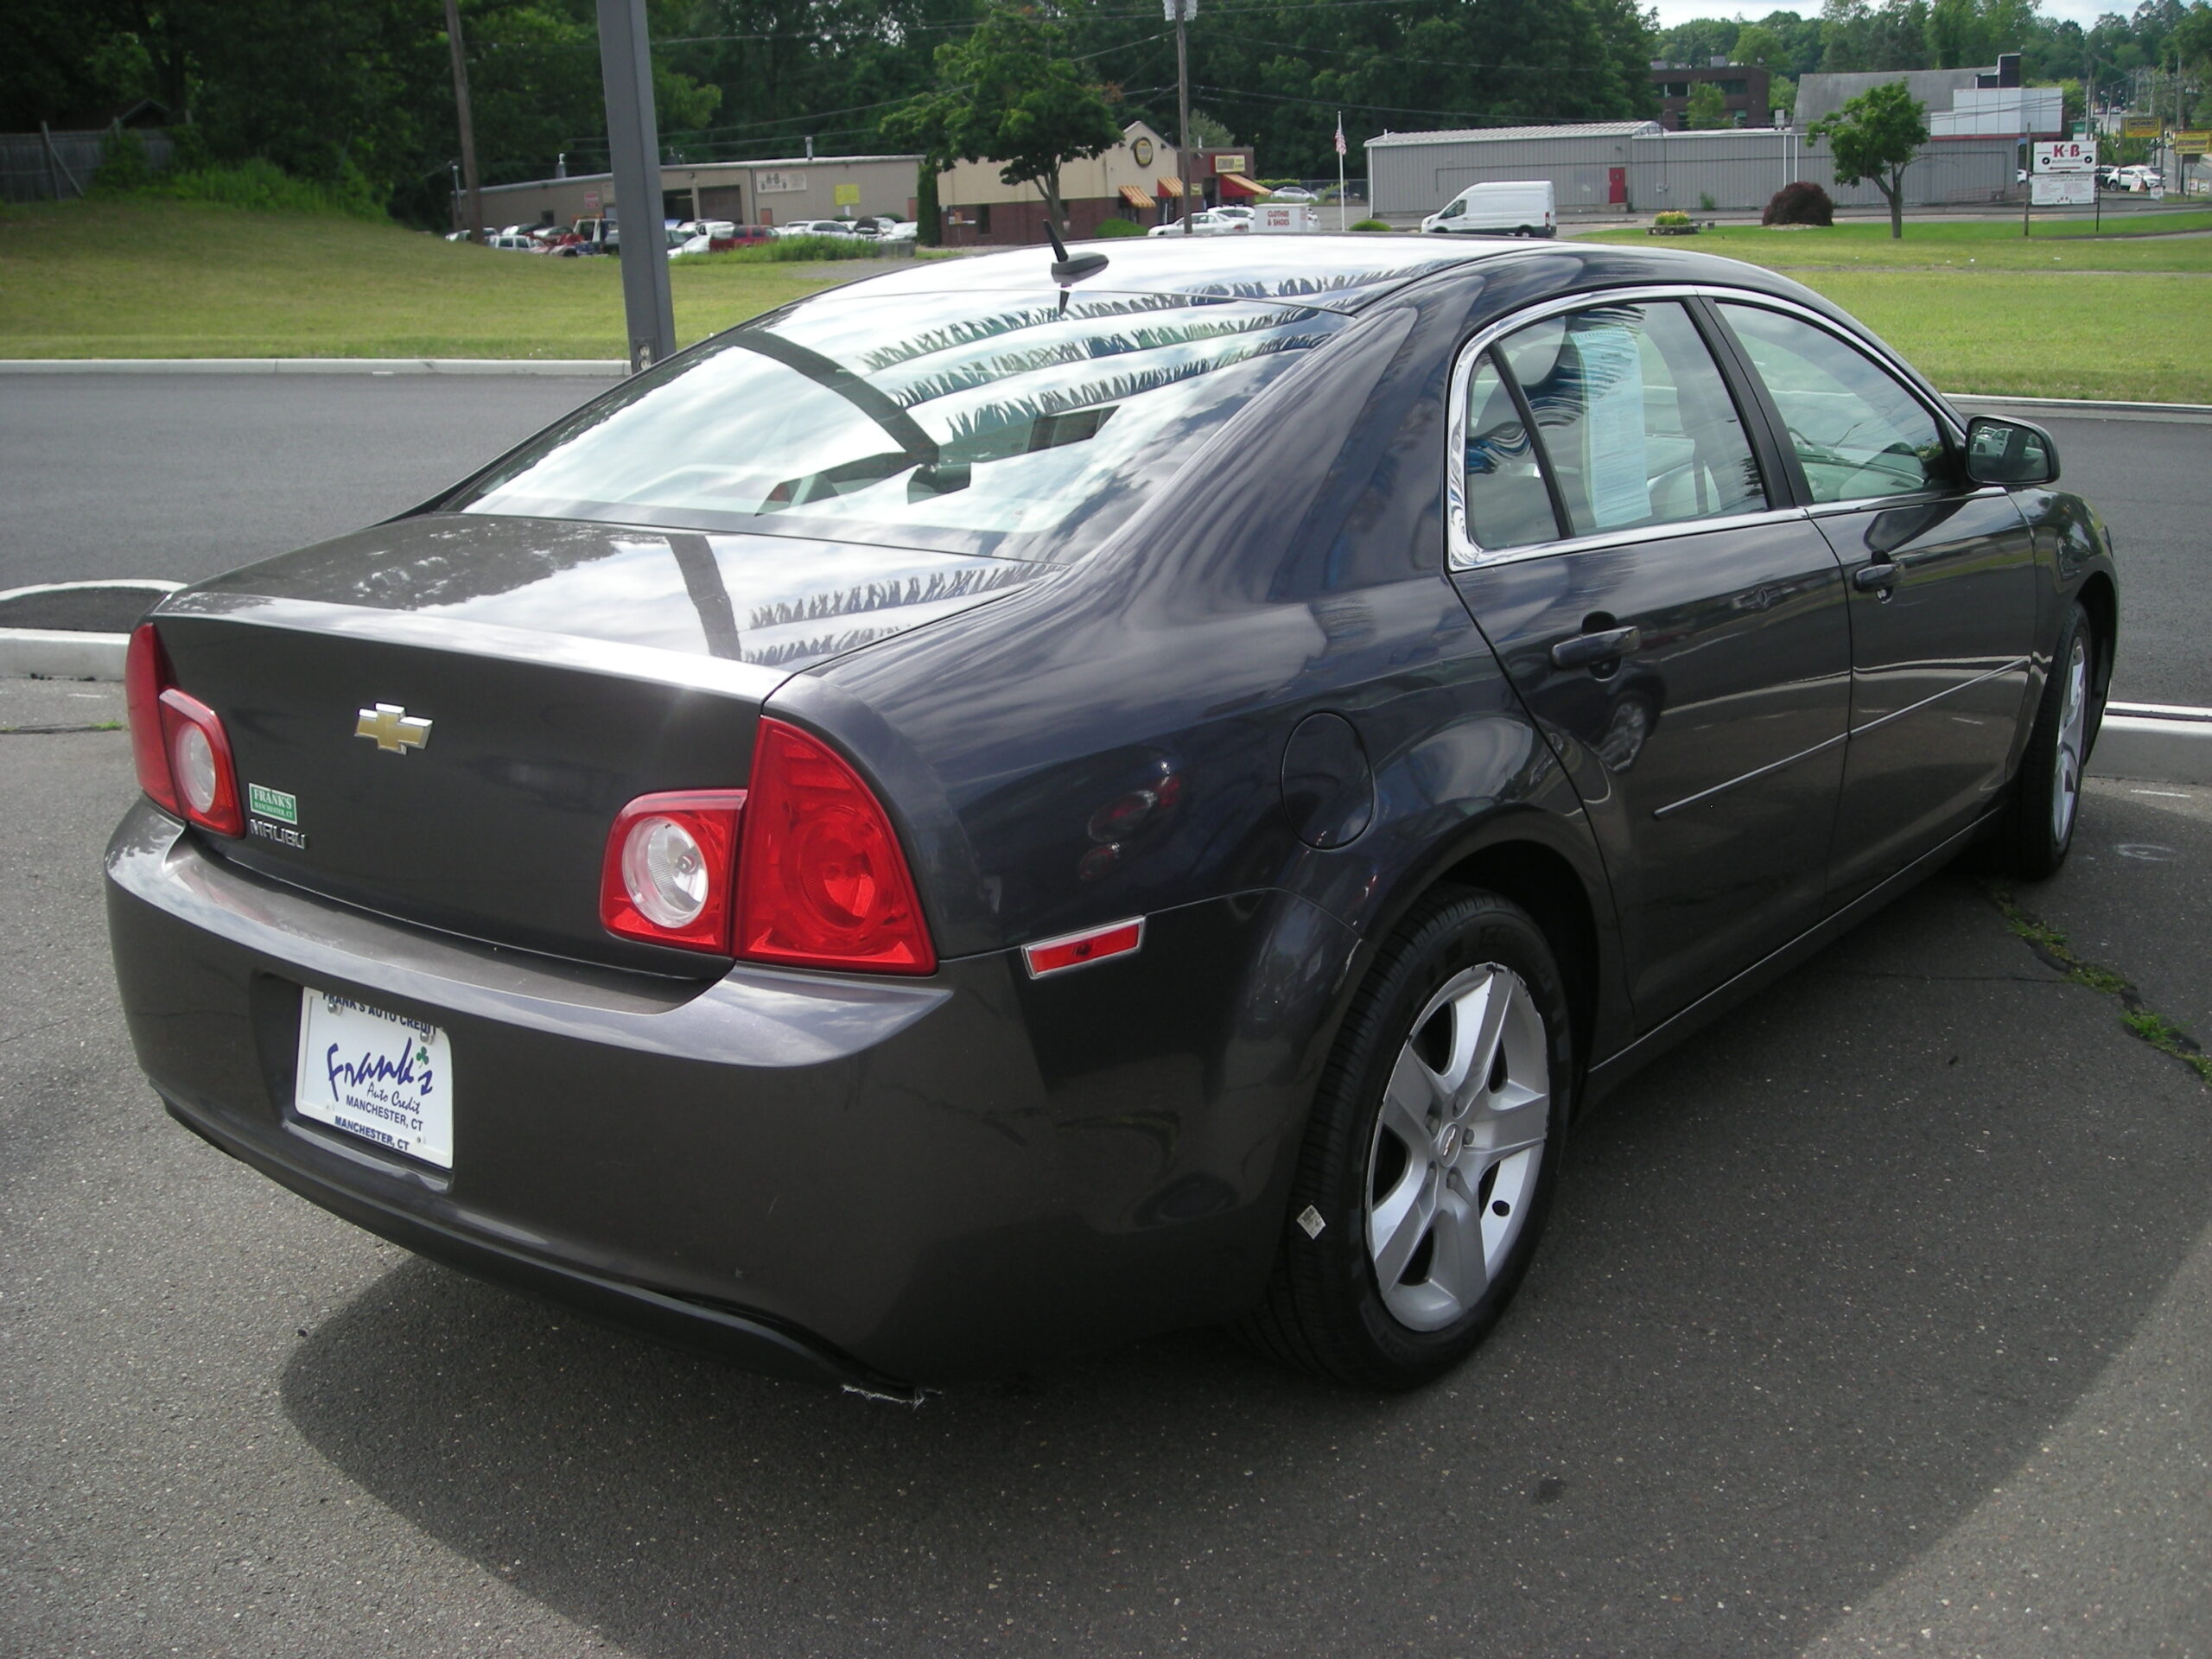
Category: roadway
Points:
column 183, row 475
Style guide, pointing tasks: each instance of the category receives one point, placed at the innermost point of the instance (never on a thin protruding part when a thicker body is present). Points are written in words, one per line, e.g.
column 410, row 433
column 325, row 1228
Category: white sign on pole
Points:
column 2067, row 155
column 1276, row 218
column 1180, row 11
column 2063, row 190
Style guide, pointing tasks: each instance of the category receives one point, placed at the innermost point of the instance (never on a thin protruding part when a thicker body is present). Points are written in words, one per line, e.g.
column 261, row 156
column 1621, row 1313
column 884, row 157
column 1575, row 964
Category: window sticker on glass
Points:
column 1612, row 380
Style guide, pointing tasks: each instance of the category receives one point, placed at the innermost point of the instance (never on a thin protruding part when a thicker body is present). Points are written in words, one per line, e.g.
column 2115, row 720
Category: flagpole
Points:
column 1340, row 171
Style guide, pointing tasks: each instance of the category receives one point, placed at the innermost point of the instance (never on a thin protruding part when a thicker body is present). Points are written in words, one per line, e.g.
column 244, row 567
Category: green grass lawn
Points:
column 193, row 279
column 1977, row 307
column 1974, row 305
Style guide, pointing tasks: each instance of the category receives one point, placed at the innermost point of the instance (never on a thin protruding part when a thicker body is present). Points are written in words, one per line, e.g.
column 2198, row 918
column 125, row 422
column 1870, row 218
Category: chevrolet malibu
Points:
column 1015, row 805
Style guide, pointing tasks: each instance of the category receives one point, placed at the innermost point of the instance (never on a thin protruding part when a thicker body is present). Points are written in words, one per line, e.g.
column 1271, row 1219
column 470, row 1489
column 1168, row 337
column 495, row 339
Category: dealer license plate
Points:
column 380, row 1076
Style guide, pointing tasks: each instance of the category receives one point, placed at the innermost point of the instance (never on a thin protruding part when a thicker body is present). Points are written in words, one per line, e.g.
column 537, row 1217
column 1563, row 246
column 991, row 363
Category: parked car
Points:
column 1208, row 222
column 902, row 230
column 1294, row 193
column 816, row 228
column 888, row 845
column 1235, row 211
column 1502, row 207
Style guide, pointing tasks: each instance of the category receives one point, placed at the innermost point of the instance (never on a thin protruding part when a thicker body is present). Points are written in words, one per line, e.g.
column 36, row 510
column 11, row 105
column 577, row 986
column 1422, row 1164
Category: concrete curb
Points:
column 2155, row 743
column 2190, row 414
column 608, row 367
column 61, row 654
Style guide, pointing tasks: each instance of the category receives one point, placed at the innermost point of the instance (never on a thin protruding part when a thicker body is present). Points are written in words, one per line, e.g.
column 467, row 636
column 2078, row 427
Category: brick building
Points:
column 1744, row 92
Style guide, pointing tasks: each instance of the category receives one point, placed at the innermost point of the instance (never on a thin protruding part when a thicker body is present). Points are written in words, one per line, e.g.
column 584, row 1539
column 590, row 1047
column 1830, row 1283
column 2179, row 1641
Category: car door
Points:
column 1679, row 636
column 1941, row 574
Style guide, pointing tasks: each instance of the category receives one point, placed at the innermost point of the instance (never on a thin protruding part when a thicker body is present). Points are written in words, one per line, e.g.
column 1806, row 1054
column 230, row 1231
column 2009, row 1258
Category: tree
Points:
column 1875, row 137
column 1009, row 93
column 1708, row 110
column 1760, row 47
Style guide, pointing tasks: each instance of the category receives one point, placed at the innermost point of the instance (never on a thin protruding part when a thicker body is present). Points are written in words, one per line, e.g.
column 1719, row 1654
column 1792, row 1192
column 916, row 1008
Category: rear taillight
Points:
column 821, row 881
column 670, row 862
column 200, row 773
column 145, row 677
column 182, row 754
column 814, row 877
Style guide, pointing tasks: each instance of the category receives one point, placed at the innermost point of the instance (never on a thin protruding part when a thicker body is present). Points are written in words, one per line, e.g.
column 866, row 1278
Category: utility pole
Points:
column 1180, row 12
column 469, row 181
column 625, row 70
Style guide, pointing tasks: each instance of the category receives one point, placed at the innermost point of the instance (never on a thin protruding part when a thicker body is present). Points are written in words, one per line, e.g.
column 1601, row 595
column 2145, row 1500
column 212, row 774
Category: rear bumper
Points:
column 862, row 1179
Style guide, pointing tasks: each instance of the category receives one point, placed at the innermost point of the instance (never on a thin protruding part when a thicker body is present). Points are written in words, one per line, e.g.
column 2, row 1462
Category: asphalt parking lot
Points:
column 1878, row 1320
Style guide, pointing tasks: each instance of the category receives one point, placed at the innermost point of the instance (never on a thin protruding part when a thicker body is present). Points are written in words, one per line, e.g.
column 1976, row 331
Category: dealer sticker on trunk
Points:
column 378, row 1075
column 266, row 803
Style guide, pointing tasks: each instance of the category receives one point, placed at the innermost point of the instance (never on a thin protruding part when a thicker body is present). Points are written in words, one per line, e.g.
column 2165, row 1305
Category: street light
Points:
column 1180, row 12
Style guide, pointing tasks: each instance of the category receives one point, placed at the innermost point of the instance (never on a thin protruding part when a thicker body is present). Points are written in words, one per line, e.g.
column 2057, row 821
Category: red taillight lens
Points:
column 204, row 785
column 145, row 677
column 821, row 881
column 669, row 869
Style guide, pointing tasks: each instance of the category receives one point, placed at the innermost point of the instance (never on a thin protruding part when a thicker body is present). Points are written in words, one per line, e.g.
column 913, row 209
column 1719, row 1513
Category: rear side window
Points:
column 1856, row 430
column 1507, row 505
column 1635, row 423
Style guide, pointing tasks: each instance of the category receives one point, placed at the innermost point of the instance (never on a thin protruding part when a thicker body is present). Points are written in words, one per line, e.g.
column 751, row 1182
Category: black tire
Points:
column 2033, row 835
column 1325, row 1308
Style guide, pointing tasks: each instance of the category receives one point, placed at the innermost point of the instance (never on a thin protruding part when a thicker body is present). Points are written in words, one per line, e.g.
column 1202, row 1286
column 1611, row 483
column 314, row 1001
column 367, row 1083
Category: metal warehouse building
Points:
column 1639, row 167
column 1409, row 173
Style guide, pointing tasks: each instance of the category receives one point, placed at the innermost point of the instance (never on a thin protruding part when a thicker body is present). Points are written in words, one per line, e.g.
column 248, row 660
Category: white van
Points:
column 1506, row 207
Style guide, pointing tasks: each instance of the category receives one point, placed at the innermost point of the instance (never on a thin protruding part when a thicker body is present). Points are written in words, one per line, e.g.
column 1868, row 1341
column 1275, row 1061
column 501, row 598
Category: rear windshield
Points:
column 989, row 424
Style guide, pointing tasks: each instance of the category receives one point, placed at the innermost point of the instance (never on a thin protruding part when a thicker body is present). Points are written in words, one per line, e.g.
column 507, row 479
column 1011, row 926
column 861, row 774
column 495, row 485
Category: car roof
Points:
column 1326, row 271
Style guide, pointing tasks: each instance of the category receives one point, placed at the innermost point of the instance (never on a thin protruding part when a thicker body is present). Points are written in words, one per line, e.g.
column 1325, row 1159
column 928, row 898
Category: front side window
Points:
column 1858, row 433
column 1635, row 423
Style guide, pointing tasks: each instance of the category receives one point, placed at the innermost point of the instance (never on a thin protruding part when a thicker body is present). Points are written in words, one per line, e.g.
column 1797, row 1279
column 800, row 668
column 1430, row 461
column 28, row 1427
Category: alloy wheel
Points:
column 1458, row 1145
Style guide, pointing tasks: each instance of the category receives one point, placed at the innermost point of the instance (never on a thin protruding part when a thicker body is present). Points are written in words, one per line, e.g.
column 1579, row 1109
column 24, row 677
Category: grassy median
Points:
column 1978, row 307
column 193, row 279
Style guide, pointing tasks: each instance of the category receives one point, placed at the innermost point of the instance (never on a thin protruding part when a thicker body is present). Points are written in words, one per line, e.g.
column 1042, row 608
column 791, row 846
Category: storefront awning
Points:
column 1135, row 197
column 1235, row 184
column 1170, row 187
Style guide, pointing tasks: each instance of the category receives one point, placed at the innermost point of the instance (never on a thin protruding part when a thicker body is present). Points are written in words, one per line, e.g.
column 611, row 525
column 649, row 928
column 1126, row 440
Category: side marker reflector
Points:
column 1081, row 949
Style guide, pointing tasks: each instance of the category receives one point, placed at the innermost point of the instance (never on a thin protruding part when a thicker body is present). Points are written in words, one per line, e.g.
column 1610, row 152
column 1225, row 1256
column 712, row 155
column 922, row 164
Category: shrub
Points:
column 1368, row 225
column 783, row 249
column 1671, row 220
column 1114, row 228
column 1705, row 204
column 1801, row 203
column 260, row 184
column 124, row 167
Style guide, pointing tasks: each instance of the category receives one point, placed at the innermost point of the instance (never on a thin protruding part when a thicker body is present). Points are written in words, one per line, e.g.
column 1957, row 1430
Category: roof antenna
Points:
column 1065, row 270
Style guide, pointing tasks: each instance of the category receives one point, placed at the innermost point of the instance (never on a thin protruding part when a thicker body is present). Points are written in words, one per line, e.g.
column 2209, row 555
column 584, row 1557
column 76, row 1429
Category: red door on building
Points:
column 1616, row 185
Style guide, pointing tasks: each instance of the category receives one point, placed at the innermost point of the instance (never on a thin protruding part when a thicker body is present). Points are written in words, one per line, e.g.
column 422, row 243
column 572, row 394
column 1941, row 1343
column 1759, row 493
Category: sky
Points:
column 1680, row 11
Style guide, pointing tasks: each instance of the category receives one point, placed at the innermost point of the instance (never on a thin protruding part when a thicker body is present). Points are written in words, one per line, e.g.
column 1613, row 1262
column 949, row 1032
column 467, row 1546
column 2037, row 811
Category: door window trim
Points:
column 1463, row 552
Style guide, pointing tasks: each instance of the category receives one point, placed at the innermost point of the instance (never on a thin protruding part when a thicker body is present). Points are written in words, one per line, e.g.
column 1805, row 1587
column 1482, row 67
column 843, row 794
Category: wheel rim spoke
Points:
column 2072, row 724
column 1398, row 1225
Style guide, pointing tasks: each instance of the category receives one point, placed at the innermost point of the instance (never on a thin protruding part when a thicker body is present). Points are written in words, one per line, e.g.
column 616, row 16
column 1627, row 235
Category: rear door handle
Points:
column 1882, row 573
column 1586, row 648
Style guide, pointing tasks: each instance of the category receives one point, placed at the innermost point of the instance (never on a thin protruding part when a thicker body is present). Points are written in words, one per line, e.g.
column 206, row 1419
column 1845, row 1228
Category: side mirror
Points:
column 2010, row 452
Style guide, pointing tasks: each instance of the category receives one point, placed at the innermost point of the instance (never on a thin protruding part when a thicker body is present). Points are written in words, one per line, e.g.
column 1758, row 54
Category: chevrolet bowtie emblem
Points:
column 390, row 728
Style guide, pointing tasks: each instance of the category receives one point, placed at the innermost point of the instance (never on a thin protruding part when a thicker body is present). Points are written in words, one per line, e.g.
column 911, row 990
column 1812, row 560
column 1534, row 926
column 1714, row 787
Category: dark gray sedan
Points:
column 995, row 810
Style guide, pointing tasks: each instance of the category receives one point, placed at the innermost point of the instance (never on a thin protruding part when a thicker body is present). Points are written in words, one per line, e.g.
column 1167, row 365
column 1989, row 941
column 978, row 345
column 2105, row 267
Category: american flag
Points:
column 1340, row 137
